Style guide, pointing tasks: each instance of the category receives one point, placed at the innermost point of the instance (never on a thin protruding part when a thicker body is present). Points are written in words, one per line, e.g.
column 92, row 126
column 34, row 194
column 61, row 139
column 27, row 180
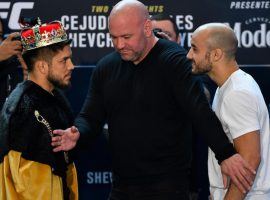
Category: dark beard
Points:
column 56, row 83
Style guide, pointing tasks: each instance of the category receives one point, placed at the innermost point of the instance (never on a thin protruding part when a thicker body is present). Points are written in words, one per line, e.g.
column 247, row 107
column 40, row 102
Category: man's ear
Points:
column 148, row 28
column 42, row 66
column 217, row 55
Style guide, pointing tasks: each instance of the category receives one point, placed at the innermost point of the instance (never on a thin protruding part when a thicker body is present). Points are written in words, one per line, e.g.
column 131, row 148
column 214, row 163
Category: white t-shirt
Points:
column 241, row 108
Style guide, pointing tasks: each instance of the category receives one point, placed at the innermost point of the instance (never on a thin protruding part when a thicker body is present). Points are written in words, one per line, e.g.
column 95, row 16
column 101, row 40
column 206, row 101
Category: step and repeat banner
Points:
column 87, row 24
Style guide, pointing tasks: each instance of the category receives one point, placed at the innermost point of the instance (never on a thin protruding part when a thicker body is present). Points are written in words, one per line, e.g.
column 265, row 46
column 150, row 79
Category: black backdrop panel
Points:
column 86, row 22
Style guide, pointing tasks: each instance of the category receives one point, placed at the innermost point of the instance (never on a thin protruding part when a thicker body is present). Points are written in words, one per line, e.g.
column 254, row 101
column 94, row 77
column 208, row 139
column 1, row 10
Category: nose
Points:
column 119, row 43
column 70, row 65
column 189, row 55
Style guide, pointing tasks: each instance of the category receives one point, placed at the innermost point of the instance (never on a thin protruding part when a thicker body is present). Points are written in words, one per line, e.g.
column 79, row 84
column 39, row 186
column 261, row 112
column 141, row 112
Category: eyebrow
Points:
column 65, row 57
column 124, row 35
column 193, row 45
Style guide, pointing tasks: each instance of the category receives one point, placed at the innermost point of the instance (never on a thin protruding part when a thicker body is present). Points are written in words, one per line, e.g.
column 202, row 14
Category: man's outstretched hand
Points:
column 65, row 140
column 240, row 172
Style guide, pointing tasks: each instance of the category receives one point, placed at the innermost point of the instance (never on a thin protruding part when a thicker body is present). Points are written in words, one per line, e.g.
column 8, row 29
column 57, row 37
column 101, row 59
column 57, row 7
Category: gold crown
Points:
column 42, row 35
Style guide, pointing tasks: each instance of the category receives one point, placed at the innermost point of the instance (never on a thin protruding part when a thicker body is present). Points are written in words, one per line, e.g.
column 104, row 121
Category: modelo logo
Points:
column 259, row 38
column 13, row 12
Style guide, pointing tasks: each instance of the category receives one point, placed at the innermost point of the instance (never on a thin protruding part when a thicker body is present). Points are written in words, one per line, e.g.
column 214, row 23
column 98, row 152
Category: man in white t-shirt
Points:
column 239, row 105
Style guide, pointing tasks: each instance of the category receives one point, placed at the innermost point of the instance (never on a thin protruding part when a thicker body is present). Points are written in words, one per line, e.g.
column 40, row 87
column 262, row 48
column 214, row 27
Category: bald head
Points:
column 130, row 8
column 219, row 36
column 131, row 30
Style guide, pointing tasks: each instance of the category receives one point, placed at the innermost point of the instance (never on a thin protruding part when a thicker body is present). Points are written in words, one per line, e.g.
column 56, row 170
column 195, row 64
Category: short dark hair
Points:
column 163, row 16
column 44, row 53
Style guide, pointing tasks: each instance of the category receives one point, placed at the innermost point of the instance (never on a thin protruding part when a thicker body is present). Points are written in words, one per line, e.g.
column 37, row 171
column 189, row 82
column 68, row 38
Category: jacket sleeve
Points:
column 91, row 118
column 189, row 95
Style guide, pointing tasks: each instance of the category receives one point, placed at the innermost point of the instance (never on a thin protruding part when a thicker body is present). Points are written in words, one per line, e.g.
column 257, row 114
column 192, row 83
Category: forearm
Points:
column 248, row 146
column 88, row 132
column 234, row 193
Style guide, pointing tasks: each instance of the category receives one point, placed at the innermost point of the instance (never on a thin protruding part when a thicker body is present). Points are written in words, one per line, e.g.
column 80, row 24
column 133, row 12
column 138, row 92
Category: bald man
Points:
column 146, row 93
column 239, row 105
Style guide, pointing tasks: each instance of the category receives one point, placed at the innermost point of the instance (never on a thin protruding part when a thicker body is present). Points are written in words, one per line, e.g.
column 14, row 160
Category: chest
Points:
column 145, row 88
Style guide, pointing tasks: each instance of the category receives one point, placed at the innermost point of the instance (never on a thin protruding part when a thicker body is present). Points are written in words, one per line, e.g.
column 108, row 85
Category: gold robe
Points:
column 29, row 169
column 21, row 179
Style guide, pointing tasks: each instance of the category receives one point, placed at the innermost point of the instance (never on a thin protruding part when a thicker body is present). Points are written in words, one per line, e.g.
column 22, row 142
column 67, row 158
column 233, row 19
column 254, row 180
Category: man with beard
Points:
column 146, row 93
column 29, row 169
column 239, row 105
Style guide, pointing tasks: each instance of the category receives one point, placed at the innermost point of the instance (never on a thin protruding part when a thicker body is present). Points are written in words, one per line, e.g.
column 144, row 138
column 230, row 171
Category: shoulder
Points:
column 242, row 81
column 240, row 87
column 25, row 103
column 171, row 57
column 240, row 102
column 107, row 64
column 167, row 48
column 16, row 96
column 16, row 111
column 172, row 54
column 109, row 60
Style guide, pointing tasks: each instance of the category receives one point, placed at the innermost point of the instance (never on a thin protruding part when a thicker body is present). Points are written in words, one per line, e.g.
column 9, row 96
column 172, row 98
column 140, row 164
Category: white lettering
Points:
column 184, row 22
column 85, row 40
column 259, row 38
column 13, row 22
column 16, row 12
column 189, row 22
column 4, row 5
column 185, row 39
column 250, row 5
column 86, row 22
column 99, row 177
column 246, row 39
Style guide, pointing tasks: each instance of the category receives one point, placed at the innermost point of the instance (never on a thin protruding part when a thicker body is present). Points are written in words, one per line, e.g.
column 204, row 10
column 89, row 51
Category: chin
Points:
column 126, row 58
column 194, row 71
column 63, row 85
column 197, row 72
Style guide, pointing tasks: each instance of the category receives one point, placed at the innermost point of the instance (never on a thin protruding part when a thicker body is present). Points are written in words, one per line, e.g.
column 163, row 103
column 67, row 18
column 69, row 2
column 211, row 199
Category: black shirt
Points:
column 149, row 108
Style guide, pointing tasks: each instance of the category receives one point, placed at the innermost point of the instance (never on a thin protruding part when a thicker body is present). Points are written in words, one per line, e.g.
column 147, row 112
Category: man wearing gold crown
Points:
column 29, row 169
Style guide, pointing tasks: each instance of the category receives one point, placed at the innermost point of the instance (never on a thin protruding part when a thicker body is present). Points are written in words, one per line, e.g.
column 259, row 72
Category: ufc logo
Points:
column 15, row 12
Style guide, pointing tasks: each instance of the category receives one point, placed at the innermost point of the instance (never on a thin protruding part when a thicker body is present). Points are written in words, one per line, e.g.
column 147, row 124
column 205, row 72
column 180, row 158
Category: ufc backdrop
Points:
column 87, row 24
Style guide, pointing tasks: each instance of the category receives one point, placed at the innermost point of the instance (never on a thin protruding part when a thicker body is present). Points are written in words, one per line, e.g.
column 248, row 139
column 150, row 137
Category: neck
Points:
column 150, row 44
column 41, row 81
column 220, row 73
